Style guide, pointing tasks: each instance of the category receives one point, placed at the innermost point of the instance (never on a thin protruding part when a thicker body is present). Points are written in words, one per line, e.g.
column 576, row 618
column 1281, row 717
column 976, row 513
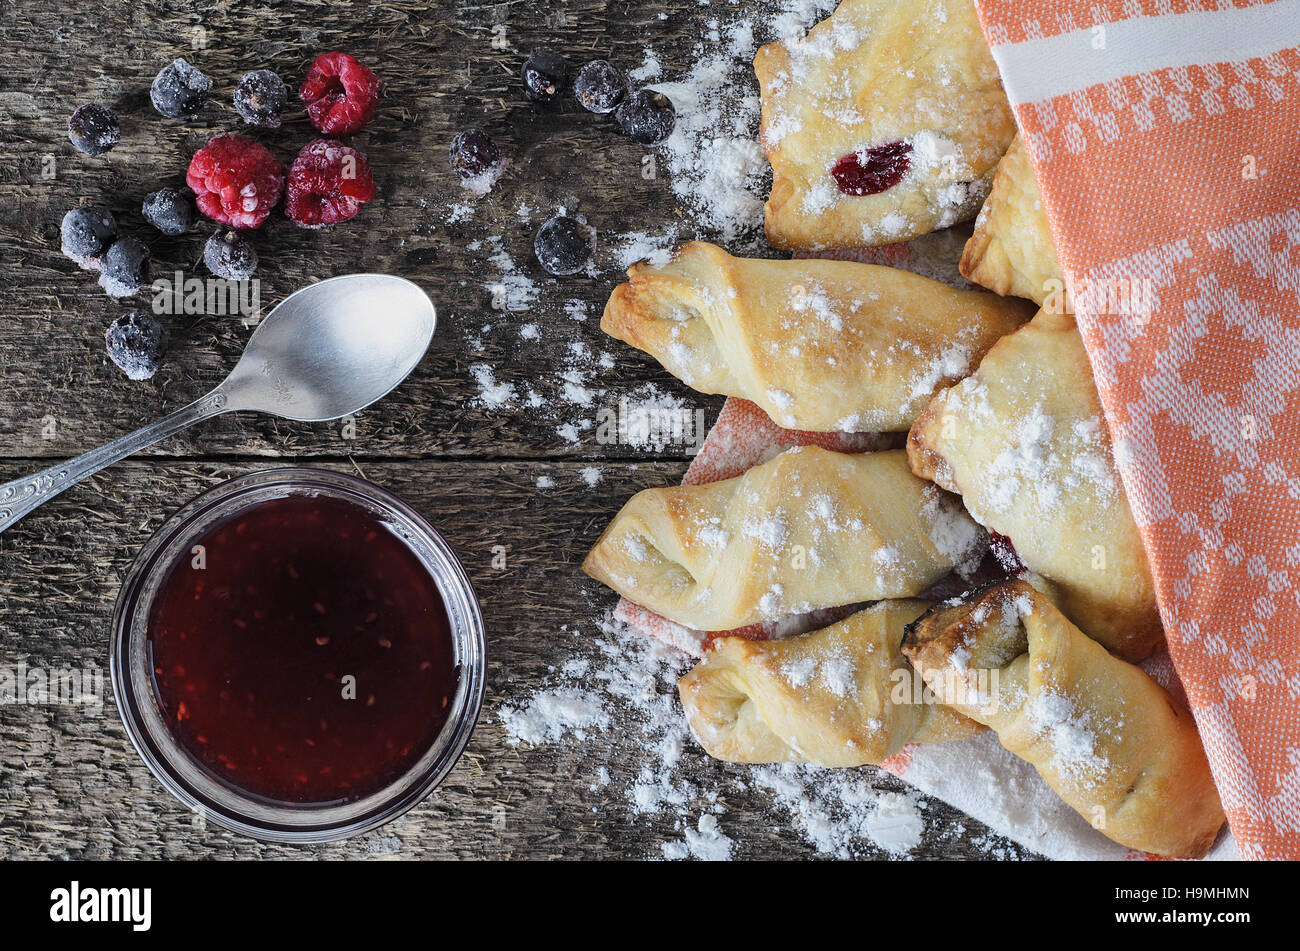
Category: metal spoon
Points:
column 328, row 350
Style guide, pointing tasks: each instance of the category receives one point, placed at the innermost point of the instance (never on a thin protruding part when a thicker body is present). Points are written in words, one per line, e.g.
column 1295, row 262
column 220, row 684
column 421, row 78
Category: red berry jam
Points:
column 872, row 171
column 302, row 652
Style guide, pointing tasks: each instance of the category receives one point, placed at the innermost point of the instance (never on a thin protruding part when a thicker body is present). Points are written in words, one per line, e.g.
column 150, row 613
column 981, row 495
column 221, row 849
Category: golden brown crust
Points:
column 1106, row 737
column 1011, row 250
column 807, row 530
column 841, row 696
column 1024, row 442
column 818, row 345
column 878, row 72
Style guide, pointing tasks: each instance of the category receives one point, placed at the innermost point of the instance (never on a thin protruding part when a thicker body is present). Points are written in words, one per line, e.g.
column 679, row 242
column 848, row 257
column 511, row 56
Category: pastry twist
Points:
column 1024, row 441
column 807, row 530
column 1106, row 737
column 841, row 696
column 818, row 345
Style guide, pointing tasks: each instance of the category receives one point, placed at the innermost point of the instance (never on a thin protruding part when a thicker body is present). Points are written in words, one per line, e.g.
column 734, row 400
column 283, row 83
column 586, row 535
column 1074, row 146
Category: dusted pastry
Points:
column 1106, row 737
column 807, row 530
column 1011, row 251
column 884, row 123
column 1024, row 442
column 818, row 345
column 839, row 696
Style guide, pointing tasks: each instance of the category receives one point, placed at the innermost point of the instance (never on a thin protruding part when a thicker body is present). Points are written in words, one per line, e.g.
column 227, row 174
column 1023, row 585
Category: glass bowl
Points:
column 178, row 770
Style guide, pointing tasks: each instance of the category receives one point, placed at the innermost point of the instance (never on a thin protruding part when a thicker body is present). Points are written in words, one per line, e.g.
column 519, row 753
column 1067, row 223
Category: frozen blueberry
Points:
column 93, row 128
column 600, row 86
column 476, row 159
column 260, row 98
column 564, row 245
column 230, row 255
column 136, row 343
column 169, row 211
column 87, row 233
column 124, row 267
column 647, row 117
column 544, row 74
column 179, row 90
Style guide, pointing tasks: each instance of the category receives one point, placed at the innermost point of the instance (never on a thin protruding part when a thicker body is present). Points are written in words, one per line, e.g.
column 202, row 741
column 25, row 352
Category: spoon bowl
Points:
column 326, row 351
column 333, row 348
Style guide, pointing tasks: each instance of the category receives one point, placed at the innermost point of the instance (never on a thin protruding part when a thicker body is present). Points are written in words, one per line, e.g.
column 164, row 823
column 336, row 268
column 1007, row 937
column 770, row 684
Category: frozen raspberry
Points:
column 236, row 181
column 874, row 170
column 328, row 183
column 340, row 94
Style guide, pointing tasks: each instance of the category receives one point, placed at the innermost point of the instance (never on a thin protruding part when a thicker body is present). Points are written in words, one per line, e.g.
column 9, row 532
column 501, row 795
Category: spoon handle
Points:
column 19, row 497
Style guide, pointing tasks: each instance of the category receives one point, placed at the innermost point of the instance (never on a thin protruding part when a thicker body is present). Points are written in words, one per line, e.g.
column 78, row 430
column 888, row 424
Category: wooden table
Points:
column 71, row 786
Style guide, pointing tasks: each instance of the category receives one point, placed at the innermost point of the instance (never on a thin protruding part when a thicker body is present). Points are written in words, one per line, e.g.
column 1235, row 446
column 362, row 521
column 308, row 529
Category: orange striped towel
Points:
column 1166, row 138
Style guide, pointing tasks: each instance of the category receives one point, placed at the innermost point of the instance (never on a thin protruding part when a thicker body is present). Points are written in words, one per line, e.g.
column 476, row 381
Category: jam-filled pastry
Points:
column 1011, row 250
column 1024, row 442
column 841, row 696
column 818, row 345
column 884, row 123
column 809, row 529
column 1106, row 737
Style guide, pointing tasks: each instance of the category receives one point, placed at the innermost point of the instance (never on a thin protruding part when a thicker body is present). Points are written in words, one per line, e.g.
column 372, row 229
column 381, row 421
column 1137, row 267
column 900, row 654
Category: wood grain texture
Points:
column 70, row 784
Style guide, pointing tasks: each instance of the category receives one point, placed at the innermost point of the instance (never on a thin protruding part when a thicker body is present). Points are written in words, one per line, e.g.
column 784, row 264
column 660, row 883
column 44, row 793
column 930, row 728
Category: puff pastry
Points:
column 884, row 123
column 807, row 530
column 1105, row 736
column 1011, row 250
column 827, row 697
column 1024, row 443
column 818, row 345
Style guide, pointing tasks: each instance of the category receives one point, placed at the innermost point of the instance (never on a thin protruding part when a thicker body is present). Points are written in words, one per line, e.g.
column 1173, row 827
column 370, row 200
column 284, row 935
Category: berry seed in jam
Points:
column 302, row 652
column 872, row 171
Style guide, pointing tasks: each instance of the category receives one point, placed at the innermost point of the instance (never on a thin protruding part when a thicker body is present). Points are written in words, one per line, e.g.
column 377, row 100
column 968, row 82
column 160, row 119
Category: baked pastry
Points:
column 1011, row 250
column 1106, row 737
column 840, row 696
column 818, row 345
column 807, row 530
column 884, row 123
column 1024, row 442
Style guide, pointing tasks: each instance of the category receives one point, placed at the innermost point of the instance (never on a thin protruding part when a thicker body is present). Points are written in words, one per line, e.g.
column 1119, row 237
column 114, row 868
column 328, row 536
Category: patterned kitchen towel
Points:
column 1166, row 138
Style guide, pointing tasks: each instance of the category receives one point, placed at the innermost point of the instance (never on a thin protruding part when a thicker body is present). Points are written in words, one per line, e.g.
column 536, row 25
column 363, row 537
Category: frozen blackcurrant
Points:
column 136, row 343
column 169, row 211
column 93, row 129
column 477, row 160
column 230, row 255
column 124, row 267
column 86, row 234
column 260, row 97
column 600, row 86
column 179, row 90
column 544, row 74
column 647, row 117
column 565, row 245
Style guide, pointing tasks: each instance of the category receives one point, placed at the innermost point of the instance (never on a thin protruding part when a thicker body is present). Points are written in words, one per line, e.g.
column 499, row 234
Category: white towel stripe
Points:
column 1051, row 66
